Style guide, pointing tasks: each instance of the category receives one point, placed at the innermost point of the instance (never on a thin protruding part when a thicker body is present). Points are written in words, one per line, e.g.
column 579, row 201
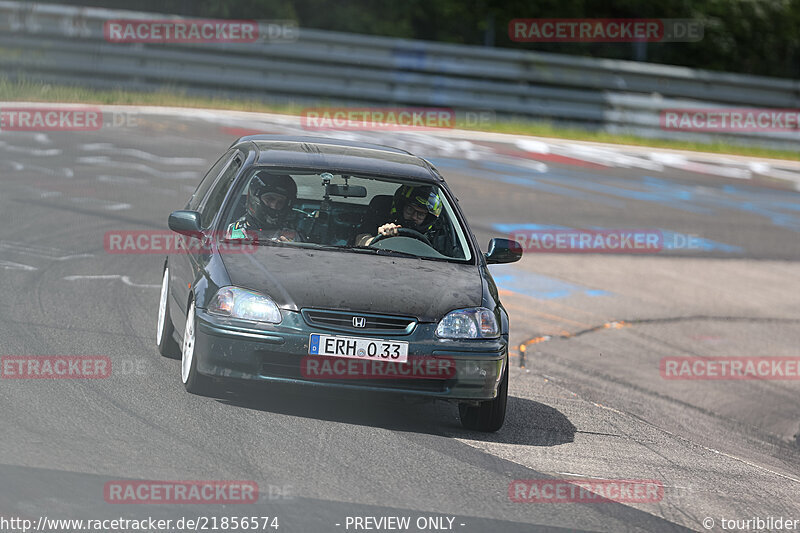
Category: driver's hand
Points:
column 286, row 235
column 389, row 229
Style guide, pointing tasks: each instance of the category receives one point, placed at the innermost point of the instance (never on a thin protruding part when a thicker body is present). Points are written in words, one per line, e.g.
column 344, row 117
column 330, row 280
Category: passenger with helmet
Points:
column 269, row 205
column 417, row 208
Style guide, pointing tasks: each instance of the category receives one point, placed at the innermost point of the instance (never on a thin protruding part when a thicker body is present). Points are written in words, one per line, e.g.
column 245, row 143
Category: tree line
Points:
column 760, row 37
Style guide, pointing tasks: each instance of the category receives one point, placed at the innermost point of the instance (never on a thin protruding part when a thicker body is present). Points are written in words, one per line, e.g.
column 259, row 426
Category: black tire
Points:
column 193, row 381
column 489, row 415
column 165, row 341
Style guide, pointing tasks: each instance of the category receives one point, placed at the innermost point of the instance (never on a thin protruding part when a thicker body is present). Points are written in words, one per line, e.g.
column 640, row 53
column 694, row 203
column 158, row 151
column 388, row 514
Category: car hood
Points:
column 297, row 278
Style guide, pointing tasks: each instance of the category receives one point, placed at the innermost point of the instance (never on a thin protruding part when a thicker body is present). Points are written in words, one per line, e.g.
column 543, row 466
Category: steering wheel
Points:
column 403, row 232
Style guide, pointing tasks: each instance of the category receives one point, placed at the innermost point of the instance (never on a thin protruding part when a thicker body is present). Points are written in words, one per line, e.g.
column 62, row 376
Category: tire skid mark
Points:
column 10, row 265
column 38, row 152
column 19, row 167
column 125, row 279
column 680, row 437
column 54, row 254
column 146, row 169
column 619, row 324
column 141, row 154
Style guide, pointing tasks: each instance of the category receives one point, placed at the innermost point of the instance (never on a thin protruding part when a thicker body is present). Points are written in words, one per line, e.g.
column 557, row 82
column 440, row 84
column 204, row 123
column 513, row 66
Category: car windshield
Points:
column 345, row 212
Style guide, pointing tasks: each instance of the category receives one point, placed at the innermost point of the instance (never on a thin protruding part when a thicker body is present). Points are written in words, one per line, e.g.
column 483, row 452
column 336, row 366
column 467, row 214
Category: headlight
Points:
column 242, row 303
column 473, row 323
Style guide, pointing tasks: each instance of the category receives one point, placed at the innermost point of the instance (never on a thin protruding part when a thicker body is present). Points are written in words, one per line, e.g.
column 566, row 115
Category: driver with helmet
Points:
column 269, row 203
column 415, row 208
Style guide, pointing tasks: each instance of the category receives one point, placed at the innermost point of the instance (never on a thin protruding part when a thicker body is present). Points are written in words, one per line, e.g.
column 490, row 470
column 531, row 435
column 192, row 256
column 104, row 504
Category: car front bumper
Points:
column 441, row 368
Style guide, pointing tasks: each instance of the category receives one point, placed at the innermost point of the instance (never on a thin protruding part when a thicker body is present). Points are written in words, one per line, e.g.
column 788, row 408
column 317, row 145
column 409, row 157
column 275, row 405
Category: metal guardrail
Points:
column 66, row 45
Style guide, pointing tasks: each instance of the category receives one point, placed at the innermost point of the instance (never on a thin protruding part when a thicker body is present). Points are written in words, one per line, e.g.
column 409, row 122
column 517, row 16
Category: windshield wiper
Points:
column 376, row 251
column 254, row 242
column 396, row 253
column 382, row 251
column 359, row 249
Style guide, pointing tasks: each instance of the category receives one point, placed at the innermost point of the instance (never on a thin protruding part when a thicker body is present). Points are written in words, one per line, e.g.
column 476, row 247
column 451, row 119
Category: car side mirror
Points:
column 185, row 222
column 503, row 251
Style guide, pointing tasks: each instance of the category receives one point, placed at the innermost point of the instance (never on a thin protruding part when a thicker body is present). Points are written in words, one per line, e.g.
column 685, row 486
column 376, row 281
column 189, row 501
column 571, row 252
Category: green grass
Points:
column 167, row 97
column 42, row 92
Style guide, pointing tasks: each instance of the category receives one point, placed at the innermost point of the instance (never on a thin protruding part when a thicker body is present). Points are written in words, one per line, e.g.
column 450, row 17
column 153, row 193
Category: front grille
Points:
column 281, row 365
column 343, row 321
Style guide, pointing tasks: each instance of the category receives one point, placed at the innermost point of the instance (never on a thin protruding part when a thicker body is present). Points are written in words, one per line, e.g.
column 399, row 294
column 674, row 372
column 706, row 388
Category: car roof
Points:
column 338, row 155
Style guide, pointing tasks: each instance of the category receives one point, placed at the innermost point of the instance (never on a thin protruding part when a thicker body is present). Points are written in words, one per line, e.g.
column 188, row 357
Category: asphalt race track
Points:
column 587, row 398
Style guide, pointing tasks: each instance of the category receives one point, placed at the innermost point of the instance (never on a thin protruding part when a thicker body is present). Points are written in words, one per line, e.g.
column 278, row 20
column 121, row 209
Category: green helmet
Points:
column 423, row 196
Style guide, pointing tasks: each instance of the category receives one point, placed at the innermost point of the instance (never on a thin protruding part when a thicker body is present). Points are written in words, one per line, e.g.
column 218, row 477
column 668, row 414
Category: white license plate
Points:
column 358, row 348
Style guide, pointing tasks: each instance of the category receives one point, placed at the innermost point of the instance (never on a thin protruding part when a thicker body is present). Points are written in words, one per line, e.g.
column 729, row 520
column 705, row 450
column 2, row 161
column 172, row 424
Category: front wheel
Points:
column 195, row 382
column 489, row 415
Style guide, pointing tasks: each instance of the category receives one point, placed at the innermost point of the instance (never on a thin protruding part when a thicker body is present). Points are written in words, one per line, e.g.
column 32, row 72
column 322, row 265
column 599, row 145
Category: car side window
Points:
column 220, row 189
column 208, row 181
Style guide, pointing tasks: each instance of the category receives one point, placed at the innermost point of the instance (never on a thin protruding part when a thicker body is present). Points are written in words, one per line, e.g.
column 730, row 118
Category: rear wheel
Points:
column 164, row 330
column 489, row 415
column 194, row 382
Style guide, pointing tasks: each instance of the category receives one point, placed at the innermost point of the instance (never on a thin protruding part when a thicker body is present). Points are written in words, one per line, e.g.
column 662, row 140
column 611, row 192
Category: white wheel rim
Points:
column 162, row 307
column 188, row 346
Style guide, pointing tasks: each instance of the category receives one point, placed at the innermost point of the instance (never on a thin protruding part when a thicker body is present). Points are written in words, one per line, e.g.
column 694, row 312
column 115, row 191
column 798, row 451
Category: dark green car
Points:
column 332, row 263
